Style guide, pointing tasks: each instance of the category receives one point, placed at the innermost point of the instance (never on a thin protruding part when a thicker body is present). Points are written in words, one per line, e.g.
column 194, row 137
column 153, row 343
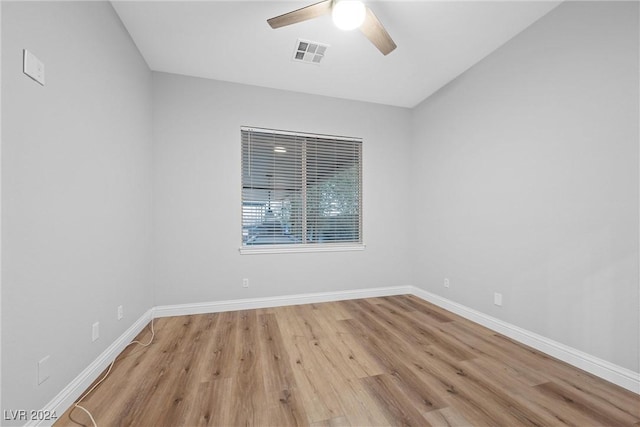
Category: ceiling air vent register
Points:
column 309, row 52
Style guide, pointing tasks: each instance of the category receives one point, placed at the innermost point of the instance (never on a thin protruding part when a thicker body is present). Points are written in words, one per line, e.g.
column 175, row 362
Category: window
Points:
column 300, row 191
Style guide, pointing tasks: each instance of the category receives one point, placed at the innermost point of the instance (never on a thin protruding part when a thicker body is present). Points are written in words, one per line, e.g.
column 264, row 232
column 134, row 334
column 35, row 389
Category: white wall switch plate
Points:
column 245, row 283
column 33, row 67
column 43, row 370
column 446, row 282
column 120, row 312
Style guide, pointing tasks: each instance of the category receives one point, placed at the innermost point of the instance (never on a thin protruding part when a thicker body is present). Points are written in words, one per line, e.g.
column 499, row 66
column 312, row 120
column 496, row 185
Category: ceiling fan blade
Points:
column 304, row 14
column 375, row 32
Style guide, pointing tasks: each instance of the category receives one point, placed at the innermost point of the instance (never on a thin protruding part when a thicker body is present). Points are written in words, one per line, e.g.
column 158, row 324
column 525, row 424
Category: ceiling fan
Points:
column 347, row 15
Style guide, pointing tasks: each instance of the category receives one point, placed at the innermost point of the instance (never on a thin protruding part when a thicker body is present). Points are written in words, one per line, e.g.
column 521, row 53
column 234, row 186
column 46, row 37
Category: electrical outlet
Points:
column 245, row 283
column 43, row 370
column 497, row 299
column 446, row 282
column 95, row 331
column 120, row 312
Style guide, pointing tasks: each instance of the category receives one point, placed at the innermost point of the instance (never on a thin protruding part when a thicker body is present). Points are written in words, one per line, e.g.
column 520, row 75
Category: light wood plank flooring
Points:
column 380, row 361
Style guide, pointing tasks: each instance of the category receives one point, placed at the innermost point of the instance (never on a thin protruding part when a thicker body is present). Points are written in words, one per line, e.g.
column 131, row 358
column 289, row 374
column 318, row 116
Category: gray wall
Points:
column 197, row 192
column 526, row 182
column 76, row 192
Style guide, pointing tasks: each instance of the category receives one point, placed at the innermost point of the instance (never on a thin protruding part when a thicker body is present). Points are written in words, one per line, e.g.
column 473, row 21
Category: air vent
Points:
column 310, row 52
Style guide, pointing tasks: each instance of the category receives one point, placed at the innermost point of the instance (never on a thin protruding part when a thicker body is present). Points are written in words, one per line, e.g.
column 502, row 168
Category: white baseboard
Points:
column 73, row 391
column 623, row 377
column 279, row 301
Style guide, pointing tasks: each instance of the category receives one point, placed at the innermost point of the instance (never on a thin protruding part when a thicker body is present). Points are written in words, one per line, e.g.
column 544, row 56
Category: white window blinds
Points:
column 300, row 189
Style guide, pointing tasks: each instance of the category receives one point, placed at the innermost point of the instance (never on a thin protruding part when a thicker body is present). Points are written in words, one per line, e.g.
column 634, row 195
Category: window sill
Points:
column 285, row 249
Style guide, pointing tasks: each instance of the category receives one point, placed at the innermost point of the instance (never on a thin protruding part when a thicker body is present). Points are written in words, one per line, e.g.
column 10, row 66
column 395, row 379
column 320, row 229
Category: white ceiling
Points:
column 231, row 41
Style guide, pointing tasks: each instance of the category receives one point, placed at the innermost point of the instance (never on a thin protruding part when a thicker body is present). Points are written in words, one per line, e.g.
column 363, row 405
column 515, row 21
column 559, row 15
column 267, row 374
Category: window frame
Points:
column 303, row 246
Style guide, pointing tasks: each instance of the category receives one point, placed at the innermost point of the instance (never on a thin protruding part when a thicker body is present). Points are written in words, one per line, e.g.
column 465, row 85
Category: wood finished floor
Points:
column 381, row 361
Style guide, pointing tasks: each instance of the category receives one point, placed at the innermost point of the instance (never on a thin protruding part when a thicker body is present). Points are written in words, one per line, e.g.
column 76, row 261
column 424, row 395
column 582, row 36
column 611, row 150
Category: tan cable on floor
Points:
column 77, row 404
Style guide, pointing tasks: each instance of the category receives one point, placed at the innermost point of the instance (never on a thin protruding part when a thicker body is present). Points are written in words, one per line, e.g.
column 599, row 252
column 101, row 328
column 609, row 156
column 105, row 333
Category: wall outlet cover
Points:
column 497, row 299
column 43, row 369
column 95, row 331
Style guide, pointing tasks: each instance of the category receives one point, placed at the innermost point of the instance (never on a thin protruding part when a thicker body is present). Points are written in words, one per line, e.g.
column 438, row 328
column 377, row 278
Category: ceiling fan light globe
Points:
column 348, row 14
